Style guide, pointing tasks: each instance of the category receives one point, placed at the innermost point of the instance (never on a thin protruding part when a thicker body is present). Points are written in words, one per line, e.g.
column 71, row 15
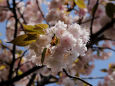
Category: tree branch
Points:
column 93, row 16
column 17, row 78
column 31, row 80
column 104, row 48
column 92, row 77
column 73, row 77
column 20, row 59
column 106, row 27
column 41, row 12
column 14, row 46
column 98, row 35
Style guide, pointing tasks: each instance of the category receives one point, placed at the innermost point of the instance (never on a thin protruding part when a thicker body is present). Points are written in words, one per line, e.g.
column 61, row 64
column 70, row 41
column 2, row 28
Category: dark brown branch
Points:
column 15, row 34
column 88, row 2
column 41, row 12
column 8, row 4
column 99, row 35
column 106, row 27
column 92, row 77
column 5, row 47
column 46, row 80
column 5, row 8
column 77, row 78
column 31, row 80
column 93, row 16
column 20, row 59
column 17, row 78
column 108, row 39
column 4, row 62
column 21, row 15
column 104, row 48
column 89, row 20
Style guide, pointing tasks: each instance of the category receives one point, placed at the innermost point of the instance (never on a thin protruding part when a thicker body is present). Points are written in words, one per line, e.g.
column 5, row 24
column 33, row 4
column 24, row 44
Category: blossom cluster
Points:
column 64, row 44
column 72, row 41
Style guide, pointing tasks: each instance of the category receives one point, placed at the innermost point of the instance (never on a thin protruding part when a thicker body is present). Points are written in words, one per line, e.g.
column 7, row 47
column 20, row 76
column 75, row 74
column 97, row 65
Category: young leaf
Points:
column 2, row 67
column 20, row 72
column 42, row 26
column 24, row 40
column 54, row 41
column 84, row 84
column 112, row 67
column 43, row 55
column 0, row 41
column 77, row 74
column 80, row 3
column 28, row 28
column 37, row 29
column 77, row 60
column 110, row 10
column 1, row 1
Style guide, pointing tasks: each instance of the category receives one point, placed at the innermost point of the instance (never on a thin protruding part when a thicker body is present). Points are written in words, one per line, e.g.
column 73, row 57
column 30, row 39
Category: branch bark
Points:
column 17, row 78
column 77, row 78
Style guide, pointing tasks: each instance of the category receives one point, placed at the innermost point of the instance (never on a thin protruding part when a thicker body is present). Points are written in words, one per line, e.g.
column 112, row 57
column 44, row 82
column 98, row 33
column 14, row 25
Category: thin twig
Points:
column 92, row 77
column 20, row 59
column 17, row 78
column 5, row 8
column 89, row 20
column 46, row 80
column 8, row 4
column 98, row 35
column 21, row 15
column 31, row 80
column 15, row 34
column 108, row 39
column 6, row 47
column 104, row 48
column 93, row 16
column 106, row 27
column 41, row 12
column 77, row 78
column 88, row 2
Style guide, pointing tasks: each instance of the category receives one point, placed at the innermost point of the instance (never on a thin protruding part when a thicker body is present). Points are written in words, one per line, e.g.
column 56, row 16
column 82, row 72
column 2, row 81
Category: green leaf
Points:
column 80, row 3
column 37, row 29
column 24, row 40
column 43, row 55
column 110, row 10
